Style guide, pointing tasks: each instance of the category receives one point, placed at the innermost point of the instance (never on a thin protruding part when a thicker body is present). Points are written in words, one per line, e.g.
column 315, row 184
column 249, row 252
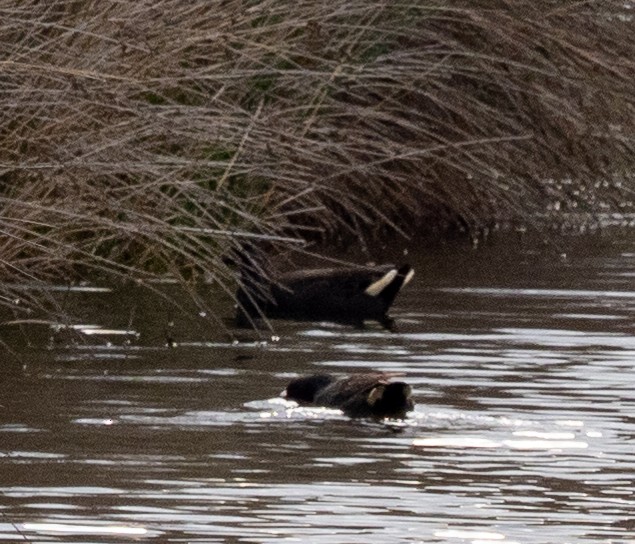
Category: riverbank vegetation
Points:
column 139, row 139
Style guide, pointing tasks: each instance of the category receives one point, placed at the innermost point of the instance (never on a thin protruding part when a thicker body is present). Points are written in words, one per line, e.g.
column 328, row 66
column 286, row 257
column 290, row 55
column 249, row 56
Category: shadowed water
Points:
column 522, row 359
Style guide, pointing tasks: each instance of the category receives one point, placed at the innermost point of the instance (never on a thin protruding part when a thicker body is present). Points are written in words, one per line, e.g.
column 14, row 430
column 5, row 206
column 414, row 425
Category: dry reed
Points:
column 145, row 138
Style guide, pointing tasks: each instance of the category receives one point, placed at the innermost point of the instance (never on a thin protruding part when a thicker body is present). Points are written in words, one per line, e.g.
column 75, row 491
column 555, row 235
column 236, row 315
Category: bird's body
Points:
column 334, row 294
column 370, row 395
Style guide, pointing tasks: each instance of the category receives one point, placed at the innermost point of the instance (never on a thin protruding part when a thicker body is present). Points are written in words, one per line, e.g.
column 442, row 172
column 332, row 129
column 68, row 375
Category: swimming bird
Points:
column 349, row 295
column 368, row 395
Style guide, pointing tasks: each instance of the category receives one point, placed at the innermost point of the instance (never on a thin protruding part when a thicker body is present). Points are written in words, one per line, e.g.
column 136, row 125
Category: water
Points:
column 522, row 357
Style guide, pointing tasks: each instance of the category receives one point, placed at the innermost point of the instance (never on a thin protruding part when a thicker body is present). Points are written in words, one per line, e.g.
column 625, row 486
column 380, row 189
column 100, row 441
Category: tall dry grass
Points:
column 145, row 138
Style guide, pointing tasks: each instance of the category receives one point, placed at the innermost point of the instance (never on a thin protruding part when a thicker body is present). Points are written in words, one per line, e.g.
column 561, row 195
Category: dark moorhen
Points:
column 370, row 395
column 349, row 295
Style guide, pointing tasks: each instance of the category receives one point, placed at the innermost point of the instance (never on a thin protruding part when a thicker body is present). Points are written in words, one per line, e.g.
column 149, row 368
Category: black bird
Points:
column 349, row 295
column 370, row 395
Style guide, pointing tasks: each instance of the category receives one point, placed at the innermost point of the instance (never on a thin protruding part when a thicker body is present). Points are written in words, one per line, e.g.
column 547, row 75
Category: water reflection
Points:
column 70, row 529
column 522, row 366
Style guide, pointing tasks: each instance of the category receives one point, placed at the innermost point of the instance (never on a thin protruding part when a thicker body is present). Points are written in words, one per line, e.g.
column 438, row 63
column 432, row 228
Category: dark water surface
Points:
column 522, row 357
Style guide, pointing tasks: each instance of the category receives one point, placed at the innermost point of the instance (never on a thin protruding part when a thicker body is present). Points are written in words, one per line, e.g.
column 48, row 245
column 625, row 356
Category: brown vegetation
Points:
column 137, row 138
